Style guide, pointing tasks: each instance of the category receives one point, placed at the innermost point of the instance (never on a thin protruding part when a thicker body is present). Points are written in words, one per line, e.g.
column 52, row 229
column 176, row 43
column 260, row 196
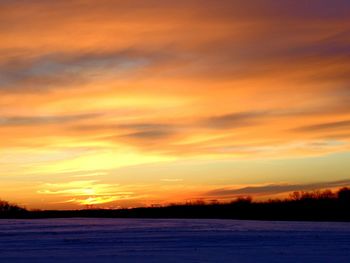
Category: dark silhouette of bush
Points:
column 344, row 195
column 7, row 209
column 243, row 200
column 312, row 196
column 295, row 196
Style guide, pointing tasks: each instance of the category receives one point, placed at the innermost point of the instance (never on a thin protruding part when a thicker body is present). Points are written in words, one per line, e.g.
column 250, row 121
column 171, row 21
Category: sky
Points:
column 111, row 103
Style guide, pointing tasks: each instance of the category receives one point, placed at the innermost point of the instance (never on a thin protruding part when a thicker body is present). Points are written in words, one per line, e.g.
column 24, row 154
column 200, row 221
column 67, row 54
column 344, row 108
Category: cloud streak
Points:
column 43, row 120
column 87, row 192
column 63, row 70
column 234, row 120
column 339, row 125
column 275, row 189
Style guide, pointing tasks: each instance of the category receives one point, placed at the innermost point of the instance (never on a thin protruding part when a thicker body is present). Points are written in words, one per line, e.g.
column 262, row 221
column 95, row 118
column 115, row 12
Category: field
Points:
column 172, row 240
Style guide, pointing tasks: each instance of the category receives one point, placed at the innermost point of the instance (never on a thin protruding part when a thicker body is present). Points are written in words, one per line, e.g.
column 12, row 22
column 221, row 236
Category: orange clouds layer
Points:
column 106, row 85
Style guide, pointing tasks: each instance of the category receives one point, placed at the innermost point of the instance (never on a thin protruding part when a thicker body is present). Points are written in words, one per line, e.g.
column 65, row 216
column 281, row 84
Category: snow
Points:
column 172, row 240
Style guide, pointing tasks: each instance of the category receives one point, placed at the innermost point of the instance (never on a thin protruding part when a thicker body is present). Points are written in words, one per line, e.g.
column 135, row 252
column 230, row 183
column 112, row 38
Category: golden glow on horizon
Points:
column 123, row 103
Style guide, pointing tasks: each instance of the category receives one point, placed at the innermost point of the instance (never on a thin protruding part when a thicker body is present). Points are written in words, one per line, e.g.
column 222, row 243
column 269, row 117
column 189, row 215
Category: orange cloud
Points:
column 87, row 86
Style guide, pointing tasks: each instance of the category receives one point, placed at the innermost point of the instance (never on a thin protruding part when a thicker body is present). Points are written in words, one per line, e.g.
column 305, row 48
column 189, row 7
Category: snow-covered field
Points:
column 173, row 240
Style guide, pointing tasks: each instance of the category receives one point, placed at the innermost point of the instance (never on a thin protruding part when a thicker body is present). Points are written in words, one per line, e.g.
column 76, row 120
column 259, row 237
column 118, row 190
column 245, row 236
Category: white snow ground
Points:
column 172, row 240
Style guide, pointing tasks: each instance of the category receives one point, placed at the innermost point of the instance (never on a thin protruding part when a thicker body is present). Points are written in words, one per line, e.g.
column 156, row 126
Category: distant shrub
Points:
column 295, row 196
column 7, row 208
column 312, row 196
column 243, row 200
column 344, row 195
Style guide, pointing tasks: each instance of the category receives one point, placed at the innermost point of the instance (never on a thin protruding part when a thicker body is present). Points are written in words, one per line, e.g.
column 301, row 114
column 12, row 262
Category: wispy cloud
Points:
column 44, row 120
column 339, row 125
column 67, row 69
column 88, row 192
column 275, row 188
column 171, row 180
column 234, row 120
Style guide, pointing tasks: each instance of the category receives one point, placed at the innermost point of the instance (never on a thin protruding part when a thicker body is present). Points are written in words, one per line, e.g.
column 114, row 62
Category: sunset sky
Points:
column 118, row 103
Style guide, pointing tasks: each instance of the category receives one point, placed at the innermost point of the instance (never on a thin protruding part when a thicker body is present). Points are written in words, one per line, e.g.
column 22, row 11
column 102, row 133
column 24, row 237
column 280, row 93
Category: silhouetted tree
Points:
column 244, row 200
column 295, row 196
column 344, row 195
column 326, row 194
column 7, row 208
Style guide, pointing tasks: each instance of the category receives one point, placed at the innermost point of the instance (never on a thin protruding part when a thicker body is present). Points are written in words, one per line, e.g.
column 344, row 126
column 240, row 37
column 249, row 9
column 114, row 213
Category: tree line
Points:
column 318, row 205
